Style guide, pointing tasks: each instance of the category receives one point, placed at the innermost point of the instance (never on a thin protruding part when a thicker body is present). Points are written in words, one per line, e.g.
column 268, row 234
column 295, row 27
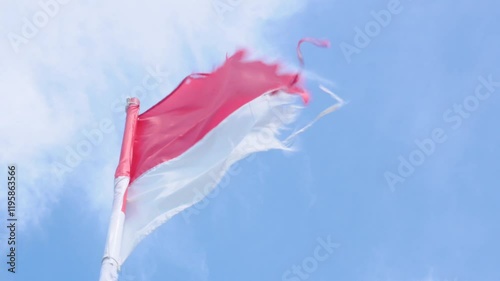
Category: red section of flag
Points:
column 199, row 104
column 317, row 42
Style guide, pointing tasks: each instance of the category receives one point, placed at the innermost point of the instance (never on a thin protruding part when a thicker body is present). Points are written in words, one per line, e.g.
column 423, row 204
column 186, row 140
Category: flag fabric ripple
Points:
column 183, row 146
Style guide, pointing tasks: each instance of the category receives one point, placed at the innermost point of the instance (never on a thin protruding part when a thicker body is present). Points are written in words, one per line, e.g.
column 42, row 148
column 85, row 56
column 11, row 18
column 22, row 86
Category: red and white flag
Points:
column 182, row 146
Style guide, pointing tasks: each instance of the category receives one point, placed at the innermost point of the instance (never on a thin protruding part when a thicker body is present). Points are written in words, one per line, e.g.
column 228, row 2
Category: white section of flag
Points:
column 172, row 186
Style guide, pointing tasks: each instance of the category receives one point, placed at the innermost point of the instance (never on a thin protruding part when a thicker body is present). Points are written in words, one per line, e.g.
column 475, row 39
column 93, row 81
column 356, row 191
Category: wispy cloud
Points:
column 63, row 80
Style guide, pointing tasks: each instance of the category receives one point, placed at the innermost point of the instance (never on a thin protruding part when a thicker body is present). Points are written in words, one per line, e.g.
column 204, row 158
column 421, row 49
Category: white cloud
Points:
column 88, row 53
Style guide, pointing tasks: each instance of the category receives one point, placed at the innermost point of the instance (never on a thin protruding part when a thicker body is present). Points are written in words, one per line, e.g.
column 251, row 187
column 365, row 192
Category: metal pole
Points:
column 111, row 261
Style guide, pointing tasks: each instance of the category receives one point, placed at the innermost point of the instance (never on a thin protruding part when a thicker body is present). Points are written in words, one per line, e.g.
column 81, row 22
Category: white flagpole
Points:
column 111, row 261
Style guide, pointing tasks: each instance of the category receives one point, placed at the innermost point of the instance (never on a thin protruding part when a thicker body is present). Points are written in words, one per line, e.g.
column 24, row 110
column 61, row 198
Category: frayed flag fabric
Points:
column 182, row 147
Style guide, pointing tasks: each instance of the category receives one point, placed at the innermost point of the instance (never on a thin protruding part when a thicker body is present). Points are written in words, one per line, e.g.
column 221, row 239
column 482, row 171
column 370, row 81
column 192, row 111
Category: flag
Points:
column 175, row 153
column 184, row 144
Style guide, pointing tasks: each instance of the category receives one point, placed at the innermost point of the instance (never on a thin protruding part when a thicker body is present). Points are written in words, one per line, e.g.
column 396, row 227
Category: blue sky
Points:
column 417, row 74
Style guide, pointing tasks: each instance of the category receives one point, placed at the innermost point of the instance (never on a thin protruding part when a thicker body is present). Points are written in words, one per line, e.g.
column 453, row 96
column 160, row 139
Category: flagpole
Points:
column 111, row 262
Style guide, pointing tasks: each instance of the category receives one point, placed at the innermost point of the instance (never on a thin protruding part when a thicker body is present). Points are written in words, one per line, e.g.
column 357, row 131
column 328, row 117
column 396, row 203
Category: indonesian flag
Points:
column 183, row 146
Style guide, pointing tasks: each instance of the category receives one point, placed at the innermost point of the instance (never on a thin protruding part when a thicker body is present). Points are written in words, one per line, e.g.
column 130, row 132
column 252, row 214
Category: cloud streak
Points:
column 64, row 78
